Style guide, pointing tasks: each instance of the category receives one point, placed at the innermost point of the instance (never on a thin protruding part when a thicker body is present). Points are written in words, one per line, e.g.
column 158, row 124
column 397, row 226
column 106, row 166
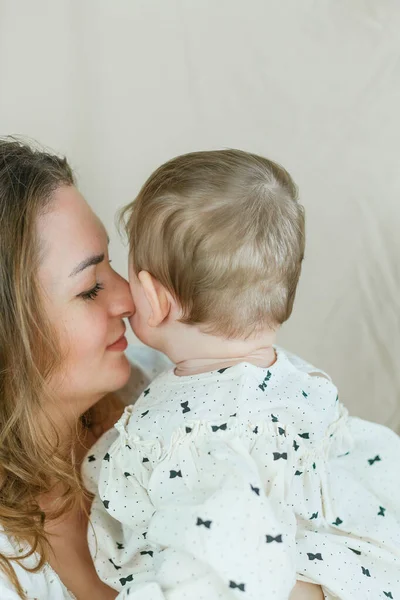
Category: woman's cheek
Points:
column 98, row 333
column 88, row 335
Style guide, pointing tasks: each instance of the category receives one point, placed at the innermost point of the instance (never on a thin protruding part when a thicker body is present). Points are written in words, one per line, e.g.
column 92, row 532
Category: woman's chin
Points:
column 117, row 373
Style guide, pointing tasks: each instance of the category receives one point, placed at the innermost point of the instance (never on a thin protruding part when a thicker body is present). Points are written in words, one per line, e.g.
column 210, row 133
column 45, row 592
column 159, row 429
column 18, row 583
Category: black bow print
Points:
column 277, row 455
column 91, row 458
column 255, row 430
column 127, row 474
column 223, row 370
column 188, row 429
column 144, row 534
column 124, row 580
column 305, row 436
column 173, row 474
column 185, row 406
column 106, row 503
column 373, row 460
column 295, row 445
column 312, row 556
column 234, row 415
column 263, row 385
column 144, row 459
column 281, row 431
column 149, row 552
column 366, row 572
column 277, row 539
column 337, row 522
column 274, row 418
column 216, row 427
column 206, row 524
column 114, row 565
column 304, row 393
column 120, row 546
column 107, row 457
column 239, row 586
column 341, row 455
column 256, row 490
column 381, row 512
column 146, row 412
column 146, row 392
column 355, row 551
column 388, row 595
column 299, row 473
column 314, row 516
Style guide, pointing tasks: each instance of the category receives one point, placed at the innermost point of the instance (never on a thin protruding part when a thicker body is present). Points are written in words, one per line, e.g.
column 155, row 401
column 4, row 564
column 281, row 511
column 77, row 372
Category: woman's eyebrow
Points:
column 88, row 262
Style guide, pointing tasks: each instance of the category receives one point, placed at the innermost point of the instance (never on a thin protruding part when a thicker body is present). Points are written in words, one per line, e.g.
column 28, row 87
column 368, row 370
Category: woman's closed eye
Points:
column 92, row 293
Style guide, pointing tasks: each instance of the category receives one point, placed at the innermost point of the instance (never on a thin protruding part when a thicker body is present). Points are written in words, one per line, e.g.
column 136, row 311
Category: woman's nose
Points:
column 123, row 306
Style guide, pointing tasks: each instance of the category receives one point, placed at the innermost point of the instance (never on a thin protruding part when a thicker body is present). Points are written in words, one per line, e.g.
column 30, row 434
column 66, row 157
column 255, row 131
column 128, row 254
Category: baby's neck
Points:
column 264, row 357
column 195, row 352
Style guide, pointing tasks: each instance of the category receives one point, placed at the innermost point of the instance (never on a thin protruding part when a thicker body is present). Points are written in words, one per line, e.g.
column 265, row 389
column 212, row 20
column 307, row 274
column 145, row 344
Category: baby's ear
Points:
column 157, row 296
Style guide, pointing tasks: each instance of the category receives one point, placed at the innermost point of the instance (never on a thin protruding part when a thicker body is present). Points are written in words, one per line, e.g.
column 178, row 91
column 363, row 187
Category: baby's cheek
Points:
column 141, row 329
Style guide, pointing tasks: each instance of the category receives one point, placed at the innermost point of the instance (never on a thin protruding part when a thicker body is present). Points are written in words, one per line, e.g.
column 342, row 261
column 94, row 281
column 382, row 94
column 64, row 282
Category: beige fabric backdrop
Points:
column 122, row 85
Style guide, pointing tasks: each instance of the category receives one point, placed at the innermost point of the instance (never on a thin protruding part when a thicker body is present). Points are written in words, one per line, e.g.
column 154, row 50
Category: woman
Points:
column 61, row 351
column 61, row 355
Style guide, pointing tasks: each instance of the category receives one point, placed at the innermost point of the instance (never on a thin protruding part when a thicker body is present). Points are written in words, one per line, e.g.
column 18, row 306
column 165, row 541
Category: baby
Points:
column 237, row 471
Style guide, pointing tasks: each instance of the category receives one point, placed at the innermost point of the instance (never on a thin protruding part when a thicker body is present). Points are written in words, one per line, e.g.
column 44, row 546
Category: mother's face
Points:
column 85, row 300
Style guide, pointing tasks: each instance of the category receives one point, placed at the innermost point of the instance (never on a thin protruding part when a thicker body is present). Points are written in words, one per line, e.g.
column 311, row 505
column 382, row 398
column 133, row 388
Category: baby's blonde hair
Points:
column 223, row 231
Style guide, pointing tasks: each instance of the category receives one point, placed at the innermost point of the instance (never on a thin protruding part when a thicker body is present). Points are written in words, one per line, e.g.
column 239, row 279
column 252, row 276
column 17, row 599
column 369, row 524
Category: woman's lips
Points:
column 120, row 345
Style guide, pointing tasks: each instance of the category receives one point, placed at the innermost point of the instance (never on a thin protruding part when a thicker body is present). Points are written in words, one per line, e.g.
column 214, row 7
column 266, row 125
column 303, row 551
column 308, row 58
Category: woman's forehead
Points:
column 70, row 232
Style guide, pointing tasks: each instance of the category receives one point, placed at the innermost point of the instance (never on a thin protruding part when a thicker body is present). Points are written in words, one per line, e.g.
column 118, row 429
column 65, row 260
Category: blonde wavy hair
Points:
column 31, row 460
column 224, row 232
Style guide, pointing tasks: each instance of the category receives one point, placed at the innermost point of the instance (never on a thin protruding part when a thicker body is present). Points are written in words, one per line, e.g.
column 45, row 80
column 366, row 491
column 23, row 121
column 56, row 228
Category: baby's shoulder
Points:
column 302, row 365
column 170, row 402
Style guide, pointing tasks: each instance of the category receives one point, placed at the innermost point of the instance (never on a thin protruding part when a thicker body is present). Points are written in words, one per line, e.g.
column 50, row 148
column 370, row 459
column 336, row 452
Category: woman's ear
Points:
column 158, row 298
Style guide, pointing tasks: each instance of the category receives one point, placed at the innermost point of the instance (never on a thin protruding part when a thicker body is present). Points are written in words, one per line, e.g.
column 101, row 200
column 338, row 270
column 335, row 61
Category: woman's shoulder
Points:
column 150, row 361
column 7, row 590
column 45, row 584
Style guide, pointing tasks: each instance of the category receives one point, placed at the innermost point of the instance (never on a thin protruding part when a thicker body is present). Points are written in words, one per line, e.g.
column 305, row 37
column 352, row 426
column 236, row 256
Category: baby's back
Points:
column 248, row 466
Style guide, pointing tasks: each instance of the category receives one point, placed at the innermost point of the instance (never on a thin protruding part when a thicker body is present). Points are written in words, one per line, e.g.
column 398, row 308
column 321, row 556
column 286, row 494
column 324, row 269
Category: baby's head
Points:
column 216, row 243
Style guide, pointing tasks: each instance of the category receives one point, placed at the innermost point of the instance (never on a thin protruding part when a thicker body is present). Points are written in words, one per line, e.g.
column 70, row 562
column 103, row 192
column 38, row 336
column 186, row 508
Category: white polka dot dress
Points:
column 237, row 482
